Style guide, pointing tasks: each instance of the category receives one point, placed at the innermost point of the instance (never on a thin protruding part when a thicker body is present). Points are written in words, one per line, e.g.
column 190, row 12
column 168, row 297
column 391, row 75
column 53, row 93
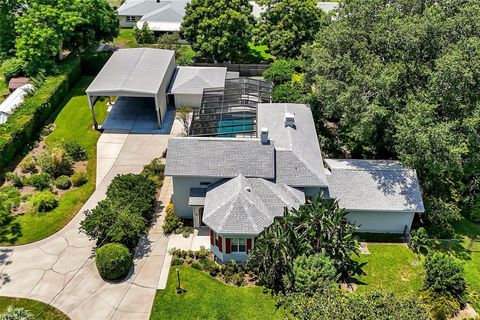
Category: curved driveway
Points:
column 60, row 271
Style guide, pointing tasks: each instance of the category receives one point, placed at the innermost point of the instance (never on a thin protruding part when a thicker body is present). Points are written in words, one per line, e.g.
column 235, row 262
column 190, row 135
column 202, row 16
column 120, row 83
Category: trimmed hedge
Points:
column 93, row 62
column 113, row 261
column 24, row 125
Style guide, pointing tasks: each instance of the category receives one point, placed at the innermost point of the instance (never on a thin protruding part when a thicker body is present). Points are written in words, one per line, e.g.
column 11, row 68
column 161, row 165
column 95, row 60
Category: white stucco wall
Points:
column 237, row 256
column 181, row 193
column 382, row 222
column 162, row 92
column 191, row 100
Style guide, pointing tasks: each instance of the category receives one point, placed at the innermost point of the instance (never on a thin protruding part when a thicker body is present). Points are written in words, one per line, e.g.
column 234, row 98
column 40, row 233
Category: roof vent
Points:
column 248, row 189
column 289, row 119
column 264, row 135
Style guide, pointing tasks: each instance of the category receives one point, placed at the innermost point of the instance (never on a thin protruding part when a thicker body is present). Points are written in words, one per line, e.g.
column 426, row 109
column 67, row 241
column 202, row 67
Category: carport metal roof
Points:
column 133, row 72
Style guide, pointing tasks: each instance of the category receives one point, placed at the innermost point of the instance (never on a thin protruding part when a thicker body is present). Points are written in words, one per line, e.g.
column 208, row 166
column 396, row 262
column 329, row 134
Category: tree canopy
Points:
column 8, row 11
column 286, row 25
column 400, row 79
column 45, row 28
column 218, row 29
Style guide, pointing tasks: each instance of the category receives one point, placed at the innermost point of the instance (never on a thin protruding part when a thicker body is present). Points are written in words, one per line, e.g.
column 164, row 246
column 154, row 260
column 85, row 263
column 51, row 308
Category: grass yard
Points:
column 73, row 121
column 38, row 309
column 391, row 267
column 125, row 39
column 208, row 298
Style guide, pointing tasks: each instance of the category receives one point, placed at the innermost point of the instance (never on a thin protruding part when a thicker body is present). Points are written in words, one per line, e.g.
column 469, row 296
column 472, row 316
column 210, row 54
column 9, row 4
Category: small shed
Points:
column 16, row 83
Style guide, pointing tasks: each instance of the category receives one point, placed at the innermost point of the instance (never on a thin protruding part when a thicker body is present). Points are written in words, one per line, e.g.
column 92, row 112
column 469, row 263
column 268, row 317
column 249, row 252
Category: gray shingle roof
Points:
column 369, row 185
column 192, row 80
column 247, row 205
column 138, row 70
column 298, row 158
column 220, row 158
column 139, row 8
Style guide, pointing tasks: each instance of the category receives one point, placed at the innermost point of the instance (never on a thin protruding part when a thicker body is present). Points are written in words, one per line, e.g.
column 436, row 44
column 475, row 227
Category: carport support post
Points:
column 159, row 117
column 91, row 104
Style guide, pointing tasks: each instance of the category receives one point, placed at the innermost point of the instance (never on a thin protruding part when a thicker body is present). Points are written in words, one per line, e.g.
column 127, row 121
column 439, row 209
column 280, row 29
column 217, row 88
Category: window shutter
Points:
column 227, row 244
column 249, row 245
column 211, row 238
column 220, row 243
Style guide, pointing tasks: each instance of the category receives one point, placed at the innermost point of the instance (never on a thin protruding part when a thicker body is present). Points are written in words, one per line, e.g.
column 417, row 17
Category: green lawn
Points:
column 125, row 39
column 208, row 298
column 74, row 121
column 391, row 268
column 38, row 309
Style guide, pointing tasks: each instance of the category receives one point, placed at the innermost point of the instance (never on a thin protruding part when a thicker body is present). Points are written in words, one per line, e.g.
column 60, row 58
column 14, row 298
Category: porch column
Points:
column 92, row 104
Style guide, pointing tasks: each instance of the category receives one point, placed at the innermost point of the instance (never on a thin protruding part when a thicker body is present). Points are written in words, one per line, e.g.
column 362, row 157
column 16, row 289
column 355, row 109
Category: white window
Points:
column 238, row 245
column 131, row 18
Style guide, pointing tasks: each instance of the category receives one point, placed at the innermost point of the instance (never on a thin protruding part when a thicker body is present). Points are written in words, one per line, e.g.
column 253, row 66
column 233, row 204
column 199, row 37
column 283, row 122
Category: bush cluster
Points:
column 155, row 171
column 44, row 201
column 113, row 261
column 75, row 150
column 63, row 183
column 40, row 181
column 28, row 165
column 56, row 161
column 12, row 68
column 171, row 222
column 78, row 179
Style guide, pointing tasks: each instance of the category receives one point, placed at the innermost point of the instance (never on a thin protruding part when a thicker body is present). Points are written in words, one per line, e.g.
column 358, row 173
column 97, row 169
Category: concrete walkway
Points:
column 60, row 270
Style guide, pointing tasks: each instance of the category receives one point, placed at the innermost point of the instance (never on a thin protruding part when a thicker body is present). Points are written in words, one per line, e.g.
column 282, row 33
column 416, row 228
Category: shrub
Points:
column 28, row 165
column 144, row 35
column 171, row 222
column 56, row 162
column 25, row 123
column 14, row 179
column 441, row 306
column 419, row 242
column 12, row 68
column 238, row 280
column 177, row 262
column 313, row 273
column 187, row 231
column 79, row 179
column 169, row 41
column 202, row 253
column 288, row 93
column 40, row 181
column 44, row 201
column 9, row 198
column 75, row 150
column 13, row 313
column 63, row 182
column 444, row 275
column 113, row 261
column 111, row 222
column 281, row 71
column 210, row 266
column 196, row 265
column 155, row 171
column 134, row 191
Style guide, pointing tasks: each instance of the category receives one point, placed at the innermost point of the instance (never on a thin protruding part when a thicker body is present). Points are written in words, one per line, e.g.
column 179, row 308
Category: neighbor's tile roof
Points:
column 298, row 157
column 247, row 205
column 220, row 158
column 374, row 185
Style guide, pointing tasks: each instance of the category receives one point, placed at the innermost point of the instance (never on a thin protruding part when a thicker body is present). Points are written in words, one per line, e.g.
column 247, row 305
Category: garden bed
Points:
column 37, row 309
column 71, row 123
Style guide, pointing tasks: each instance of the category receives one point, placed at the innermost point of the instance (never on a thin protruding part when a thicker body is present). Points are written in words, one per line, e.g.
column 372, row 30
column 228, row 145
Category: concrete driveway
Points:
column 60, row 270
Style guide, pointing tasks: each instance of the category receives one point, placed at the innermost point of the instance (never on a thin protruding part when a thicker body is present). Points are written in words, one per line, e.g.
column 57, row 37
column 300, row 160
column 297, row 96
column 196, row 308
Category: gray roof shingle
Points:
column 219, row 158
column 247, row 205
column 192, row 80
column 298, row 157
column 374, row 185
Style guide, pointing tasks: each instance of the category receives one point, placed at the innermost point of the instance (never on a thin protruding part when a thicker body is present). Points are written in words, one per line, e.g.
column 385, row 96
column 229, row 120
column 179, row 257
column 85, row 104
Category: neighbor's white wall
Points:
column 125, row 24
column 382, row 222
column 181, row 193
column 191, row 100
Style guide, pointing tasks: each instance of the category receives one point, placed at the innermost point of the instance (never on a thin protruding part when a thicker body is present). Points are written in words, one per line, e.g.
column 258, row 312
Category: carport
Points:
column 136, row 73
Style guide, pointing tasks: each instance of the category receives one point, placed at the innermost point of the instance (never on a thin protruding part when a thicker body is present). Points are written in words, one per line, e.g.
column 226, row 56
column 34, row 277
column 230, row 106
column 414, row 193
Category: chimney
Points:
column 289, row 119
column 264, row 135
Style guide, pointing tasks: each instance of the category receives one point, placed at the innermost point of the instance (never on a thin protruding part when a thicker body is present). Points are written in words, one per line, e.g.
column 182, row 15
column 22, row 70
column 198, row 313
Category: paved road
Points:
column 60, row 271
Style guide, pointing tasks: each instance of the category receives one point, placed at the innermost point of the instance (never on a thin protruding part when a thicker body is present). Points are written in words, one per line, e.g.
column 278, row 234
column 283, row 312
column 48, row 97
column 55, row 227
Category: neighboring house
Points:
column 167, row 16
column 237, row 186
column 161, row 16
column 13, row 101
column 148, row 74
